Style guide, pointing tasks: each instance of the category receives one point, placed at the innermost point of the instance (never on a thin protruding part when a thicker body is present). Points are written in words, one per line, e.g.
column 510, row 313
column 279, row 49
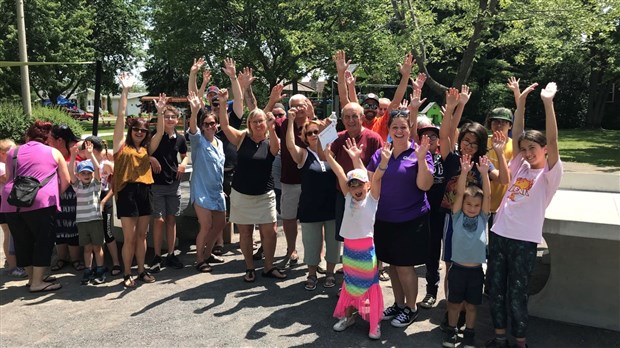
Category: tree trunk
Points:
column 596, row 99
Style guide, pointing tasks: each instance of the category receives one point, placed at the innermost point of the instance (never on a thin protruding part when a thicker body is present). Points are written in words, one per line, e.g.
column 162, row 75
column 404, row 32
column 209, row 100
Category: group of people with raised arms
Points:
column 392, row 186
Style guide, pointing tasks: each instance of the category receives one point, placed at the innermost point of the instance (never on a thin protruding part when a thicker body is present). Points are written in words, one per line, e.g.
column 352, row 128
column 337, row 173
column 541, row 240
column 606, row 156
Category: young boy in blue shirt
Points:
column 470, row 214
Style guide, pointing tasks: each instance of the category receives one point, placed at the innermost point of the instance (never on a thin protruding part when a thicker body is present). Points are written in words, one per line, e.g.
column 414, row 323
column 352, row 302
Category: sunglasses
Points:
column 355, row 183
column 370, row 106
column 396, row 113
column 312, row 132
column 209, row 124
column 279, row 115
column 139, row 130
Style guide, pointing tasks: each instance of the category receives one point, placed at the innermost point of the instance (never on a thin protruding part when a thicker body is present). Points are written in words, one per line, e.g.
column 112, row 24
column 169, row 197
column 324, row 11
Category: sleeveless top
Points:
column 253, row 172
column 131, row 166
column 318, row 189
column 37, row 160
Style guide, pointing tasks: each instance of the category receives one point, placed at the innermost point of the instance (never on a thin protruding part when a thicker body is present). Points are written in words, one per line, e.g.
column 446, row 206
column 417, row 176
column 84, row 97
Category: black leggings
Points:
column 34, row 236
column 436, row 223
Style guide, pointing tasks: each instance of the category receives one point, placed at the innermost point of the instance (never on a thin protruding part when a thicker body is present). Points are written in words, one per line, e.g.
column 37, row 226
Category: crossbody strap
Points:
column 15, row 162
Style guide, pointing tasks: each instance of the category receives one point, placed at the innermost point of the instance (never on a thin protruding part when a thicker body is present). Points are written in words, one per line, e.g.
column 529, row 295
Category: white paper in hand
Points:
column 328, row 135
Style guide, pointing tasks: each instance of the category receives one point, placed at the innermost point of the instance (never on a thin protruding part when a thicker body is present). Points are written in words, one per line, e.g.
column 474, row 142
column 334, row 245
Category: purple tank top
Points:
column 36, row 160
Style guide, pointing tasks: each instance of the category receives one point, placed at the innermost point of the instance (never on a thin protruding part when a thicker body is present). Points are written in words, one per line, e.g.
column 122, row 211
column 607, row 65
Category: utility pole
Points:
column 23, row 57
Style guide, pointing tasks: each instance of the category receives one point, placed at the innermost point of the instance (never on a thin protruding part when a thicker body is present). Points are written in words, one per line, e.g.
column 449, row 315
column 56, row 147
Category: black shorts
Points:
column 402, row 243
column 134, row 200
column 465, row 284
column 2, row 217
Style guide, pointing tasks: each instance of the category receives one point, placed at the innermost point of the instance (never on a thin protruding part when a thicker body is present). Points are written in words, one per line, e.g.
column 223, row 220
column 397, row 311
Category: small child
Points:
column 88, row 212
column 470, row 213
column 360, row 289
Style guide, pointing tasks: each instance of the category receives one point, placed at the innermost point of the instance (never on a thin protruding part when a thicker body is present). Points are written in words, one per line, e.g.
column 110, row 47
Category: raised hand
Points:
column 126, row 80
column 340, row 59
column 194, row 101
column 466, row 163
column 292, row 113
column 197, row 65
column 404, row 105
column 245, row 77
column 419, row 81
column 276, row 93
column 229, row 68
column 88, row 147
column 513, row 85
column 548, row 93
column 405, row 68
column 499, row 141
column 222, row 96
column 349, row 78
column 386, row 153
column 483, row 165
column 161, row 102
column 415, row 101
column 464, row 95
column 352, row 149
column 73, row 150
column 452, row 98
column 527, row 91
column 422, row 149
column 271, row 121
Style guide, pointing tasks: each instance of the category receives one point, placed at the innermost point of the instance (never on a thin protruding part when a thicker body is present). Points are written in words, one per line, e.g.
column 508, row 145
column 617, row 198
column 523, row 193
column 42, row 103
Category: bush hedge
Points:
column 13, row 122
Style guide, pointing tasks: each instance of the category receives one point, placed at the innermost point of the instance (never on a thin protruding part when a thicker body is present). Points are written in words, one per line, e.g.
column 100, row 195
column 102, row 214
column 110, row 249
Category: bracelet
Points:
column 382, row 168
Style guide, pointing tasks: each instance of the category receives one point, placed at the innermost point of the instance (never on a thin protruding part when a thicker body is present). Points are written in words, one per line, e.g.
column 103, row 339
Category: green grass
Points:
column 597, row 147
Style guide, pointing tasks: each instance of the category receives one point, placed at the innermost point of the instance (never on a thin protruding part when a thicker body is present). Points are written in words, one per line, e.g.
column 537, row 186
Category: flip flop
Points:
column 203, row 267
column 78, row 265
column 250, row 275
column 60, row 264
column 311, row 283
column 47, row 279
column 270, row 273
column 48, row 287
column 330, row 281
column 218, row 250
column 116, row 270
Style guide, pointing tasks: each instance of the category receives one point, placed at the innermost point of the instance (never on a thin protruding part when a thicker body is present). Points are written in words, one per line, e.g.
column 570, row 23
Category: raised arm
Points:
column 297, row 153
column 195, row 105
column 452, row 97
column 483, row 168
column 414, row 108
column 355, row 152
column 231, row 71
column 405, row 73
column 341, row 66
column 424, row 180
column 274, row 97
column 233, row 135
column 245, row 81
column 64, row 179
column 519, row 120
column 71, row 167
column 274, row 141
column 352, row 93
column 193, row 71
column 88, row 146
column 160, row 105
column 466, row 165
column 551, row 130
column 375, row 186
column 337, row 168
column 206, row 77
column 458, row 113
column 126, row 82
column 502, row 173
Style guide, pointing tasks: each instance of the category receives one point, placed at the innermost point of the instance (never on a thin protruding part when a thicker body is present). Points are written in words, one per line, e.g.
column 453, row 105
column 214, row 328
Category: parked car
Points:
column 79, row 114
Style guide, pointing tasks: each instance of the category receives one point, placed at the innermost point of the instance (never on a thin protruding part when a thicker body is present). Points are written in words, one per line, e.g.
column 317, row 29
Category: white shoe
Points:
column 376, row 335
column 344, row 323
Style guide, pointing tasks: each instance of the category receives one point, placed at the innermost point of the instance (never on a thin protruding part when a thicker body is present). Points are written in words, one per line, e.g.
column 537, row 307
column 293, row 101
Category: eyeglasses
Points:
column 396, row 113
column 472, row 146
column 139, row 130
column 370, row 106
column 256, row 122
column 355, row 183
column 279, row 115
column 170, row 117
column 209, row 124
column 312, row 132
column 432, row 137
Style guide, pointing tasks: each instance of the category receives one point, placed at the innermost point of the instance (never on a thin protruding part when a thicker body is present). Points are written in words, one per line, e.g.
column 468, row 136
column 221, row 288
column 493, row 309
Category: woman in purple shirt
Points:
column 401, row 225
column 32, row 227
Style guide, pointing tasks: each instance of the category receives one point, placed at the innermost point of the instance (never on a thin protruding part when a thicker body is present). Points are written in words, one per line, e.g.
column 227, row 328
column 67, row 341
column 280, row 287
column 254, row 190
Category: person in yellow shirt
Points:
column 499, row 119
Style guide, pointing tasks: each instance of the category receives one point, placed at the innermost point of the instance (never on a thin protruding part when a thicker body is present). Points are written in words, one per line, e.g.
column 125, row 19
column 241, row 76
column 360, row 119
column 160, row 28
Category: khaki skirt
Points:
column 249, row 210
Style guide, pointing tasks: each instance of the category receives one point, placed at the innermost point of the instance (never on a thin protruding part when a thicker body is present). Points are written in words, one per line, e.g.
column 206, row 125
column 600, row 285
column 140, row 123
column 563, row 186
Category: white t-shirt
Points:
column 358, row 220
column 522, row 212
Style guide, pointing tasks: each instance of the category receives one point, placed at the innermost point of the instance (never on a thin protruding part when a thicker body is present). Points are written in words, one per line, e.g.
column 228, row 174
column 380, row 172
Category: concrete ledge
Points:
column 599, row 182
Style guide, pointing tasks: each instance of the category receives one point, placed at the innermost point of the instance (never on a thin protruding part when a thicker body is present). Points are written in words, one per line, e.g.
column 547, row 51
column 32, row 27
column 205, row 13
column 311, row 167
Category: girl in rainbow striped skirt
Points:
column 360, row 289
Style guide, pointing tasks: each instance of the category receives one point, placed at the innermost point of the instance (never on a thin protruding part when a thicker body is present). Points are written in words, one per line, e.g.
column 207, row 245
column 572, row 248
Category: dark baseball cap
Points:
column 64, row 132
column 370, row 96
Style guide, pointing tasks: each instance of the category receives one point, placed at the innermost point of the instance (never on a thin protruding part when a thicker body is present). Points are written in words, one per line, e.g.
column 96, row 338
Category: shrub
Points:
column 13, row 122
column 57, row 116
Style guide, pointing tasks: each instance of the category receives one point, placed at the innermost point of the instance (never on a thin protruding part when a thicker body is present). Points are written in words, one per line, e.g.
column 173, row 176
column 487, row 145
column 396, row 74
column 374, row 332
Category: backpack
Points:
column 25, row 188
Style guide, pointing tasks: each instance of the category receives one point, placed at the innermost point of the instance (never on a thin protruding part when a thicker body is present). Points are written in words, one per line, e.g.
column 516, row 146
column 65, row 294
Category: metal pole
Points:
column 23, row 57
column 98, row 72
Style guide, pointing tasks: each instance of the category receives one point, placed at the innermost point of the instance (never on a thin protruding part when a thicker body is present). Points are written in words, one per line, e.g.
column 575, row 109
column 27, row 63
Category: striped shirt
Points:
column 88, row 207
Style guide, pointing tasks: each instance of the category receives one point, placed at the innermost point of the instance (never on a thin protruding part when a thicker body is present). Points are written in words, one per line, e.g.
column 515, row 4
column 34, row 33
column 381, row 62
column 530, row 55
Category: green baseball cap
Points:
column 501, row 114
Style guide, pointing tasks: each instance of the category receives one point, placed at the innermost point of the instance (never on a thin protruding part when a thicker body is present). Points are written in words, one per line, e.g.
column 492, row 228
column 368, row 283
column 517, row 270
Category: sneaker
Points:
column 469, row 338
column 428, row 301
column 376, row 335
column 173, row 260
column 18, row 272
column 215, row 259
column 449, row 338
column 86, row 277
column 99, row 275
column 497, row 343
column 156, row 264
column 391, row 312
column 344, row 323
column 404, row 318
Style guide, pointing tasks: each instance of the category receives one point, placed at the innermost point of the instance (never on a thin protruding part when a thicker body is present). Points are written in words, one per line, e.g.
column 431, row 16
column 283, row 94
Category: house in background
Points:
column 133, row 103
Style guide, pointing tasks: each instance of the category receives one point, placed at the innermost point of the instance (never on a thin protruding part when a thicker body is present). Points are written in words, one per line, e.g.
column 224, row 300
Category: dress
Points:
column 360, row 288
column 207, row 189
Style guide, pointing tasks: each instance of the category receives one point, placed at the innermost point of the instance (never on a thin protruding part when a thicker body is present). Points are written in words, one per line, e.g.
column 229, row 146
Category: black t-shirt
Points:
column 435, row 194
column 318, row 187
column 253, row 172
column 166, row 154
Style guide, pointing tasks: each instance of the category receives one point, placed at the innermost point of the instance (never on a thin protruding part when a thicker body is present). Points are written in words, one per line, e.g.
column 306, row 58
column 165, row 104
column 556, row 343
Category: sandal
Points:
column 60, row 264
column 218, row 250
column 203, row 267
column 250, row 275
column 78, row 265
column 384, row 276
column 46, row 279
column 128, row 282
column 146, row 277
column 258, row 255
column 330, row 281
column 48, row 287
column 311, row 283
column 294, row 258
column 116, row 270
column 271, row 273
